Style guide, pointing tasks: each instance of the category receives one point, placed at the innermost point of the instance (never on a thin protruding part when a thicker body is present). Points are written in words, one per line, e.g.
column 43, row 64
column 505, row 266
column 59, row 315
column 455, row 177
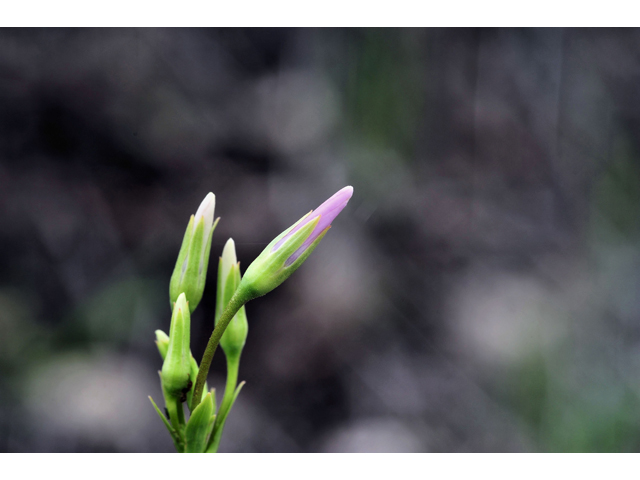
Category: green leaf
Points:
column 214, row 441
column 199, row 426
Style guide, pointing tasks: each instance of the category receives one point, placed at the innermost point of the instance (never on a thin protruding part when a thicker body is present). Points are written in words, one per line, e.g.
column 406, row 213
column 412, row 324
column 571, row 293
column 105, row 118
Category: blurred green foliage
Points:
column 385, row 92
column 18, row 330
column 616, row 205
column 384, row 105
column 121, row 313
column 575, row 398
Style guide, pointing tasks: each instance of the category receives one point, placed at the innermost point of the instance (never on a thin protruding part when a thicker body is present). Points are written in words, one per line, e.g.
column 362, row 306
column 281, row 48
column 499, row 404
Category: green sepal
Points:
column 178, row 271
column 294, row 266
column 221, row 300
column 199, row 426
column 190, row 273
column 195, row 275
column 214, row 441
column 202, row 276
column 268, row 270
column 190, row 278
column 176, row 368
column 230, row 286
column 277, row 239
column 174, row 435
column 162, row 343
column 226, row 282
column 235, row 336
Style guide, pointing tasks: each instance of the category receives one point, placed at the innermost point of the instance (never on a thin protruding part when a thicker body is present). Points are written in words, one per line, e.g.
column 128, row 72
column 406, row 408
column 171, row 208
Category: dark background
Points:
column 480, row 292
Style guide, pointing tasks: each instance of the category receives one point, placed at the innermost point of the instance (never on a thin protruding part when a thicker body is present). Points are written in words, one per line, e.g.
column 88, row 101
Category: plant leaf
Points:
column 174, row 435
column 199, row 426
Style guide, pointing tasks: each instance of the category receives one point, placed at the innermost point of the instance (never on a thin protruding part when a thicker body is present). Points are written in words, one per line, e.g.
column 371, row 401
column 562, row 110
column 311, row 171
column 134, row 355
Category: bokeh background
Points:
column 480, row 292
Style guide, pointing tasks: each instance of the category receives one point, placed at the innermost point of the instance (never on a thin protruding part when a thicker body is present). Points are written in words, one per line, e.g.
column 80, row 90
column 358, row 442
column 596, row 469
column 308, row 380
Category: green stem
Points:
column 237, row 301
column 176, row 417
column 233, row 365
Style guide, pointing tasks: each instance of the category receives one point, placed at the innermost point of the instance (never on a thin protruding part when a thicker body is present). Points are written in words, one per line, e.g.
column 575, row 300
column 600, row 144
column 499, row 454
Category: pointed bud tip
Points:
column 228, row 258
column 346, row 191
column 341, row 198
column 181, row 303
column 161, row 336
column 329, row 210
column 229, row 252
column 207, row 208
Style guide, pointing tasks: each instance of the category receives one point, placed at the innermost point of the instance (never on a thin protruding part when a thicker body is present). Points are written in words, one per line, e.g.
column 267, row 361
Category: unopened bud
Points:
column 190, row 273
column 235, row 335
column 292, row 247
column 162, row 342
column 176, row 368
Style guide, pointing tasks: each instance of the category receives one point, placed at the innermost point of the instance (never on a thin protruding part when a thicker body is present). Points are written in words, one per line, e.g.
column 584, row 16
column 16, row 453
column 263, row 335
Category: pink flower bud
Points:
column 290, row 249
column 327, row 212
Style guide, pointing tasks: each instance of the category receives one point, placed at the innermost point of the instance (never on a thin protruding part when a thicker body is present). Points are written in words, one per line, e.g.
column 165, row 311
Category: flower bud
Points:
column 292, row 247
column 176, row 368
column 190, row 272
column 162, row 342
column 235, row 335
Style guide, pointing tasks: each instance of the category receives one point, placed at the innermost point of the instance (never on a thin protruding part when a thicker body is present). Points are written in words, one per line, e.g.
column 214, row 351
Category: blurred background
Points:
column 479, row 293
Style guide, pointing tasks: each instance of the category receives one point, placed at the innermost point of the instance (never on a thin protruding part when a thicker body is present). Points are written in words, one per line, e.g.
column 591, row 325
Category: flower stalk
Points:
column 238, row 300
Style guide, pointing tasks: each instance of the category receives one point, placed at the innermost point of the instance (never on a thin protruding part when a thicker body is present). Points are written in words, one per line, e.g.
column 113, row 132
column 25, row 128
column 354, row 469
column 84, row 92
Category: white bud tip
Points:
column 181, row 302
column 229, row 255
column 206, row 209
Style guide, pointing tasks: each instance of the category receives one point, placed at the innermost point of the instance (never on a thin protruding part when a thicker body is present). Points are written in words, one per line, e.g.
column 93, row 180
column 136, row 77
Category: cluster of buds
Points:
column 181, row 377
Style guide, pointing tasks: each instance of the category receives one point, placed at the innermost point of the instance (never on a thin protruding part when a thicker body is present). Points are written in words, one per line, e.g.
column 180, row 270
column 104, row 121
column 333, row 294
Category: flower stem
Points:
column 238, row 299
column 233, row 365
column 176, row 418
